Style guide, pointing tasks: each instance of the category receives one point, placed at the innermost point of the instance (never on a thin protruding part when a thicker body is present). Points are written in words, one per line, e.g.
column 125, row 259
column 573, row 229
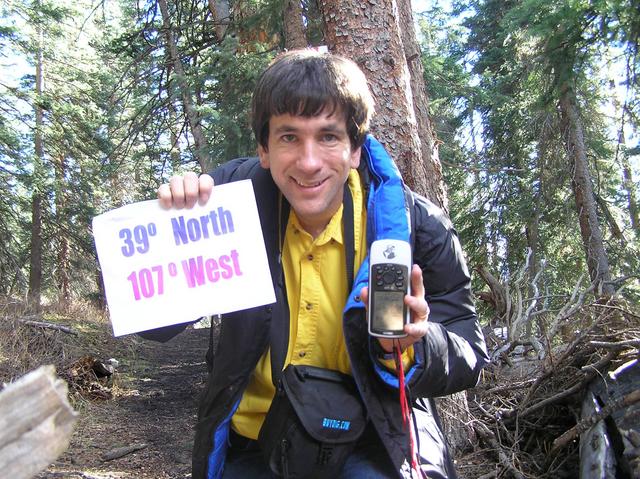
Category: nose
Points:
column 308, row 158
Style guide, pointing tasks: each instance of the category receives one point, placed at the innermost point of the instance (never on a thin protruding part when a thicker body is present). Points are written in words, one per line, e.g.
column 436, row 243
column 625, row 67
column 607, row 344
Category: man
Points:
column 318, row 176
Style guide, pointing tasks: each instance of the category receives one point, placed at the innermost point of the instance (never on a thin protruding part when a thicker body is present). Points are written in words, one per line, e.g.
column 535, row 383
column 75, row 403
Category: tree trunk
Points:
column 174, row 129
column 597, row 261
column 294, row 31
column 435, row 186
column 627, row 172
column 175, row 123
column 62, row 267
column 220, row 12
column 629, row 185
column 201, row 145
column 369, row 34
column 532, row 230
column 35, row 261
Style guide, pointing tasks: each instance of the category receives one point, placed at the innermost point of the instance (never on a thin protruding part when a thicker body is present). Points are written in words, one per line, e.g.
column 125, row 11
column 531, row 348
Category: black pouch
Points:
column 313, row 424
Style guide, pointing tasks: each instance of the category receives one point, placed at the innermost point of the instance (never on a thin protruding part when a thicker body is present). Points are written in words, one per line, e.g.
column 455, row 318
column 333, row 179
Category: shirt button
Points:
column 310, row 257
column 309, row 306
column 302, row 354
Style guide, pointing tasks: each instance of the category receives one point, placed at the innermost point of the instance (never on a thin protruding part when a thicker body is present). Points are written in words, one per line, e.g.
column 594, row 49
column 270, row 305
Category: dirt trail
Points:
column 157, row 407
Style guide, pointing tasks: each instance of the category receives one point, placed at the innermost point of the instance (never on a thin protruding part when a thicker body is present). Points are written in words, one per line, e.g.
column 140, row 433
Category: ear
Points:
column 263, row 153
column 355, row 157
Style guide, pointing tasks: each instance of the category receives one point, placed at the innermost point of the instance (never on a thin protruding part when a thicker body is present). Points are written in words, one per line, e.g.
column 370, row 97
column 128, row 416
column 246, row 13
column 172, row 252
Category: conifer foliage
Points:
column 532, row 108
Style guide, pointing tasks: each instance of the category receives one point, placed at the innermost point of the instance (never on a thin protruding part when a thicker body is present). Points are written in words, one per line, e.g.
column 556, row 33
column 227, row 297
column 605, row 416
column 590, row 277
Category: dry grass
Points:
column 24, row 345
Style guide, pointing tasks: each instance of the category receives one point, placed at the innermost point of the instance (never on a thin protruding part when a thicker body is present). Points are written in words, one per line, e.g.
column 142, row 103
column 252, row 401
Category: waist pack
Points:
column 313, row 424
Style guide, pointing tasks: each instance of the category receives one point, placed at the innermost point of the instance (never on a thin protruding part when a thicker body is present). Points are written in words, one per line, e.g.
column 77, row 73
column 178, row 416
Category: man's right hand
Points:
column 184, row 191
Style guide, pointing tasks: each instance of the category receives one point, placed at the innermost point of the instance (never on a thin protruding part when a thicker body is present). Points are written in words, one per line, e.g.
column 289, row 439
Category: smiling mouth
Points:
column 308, row 184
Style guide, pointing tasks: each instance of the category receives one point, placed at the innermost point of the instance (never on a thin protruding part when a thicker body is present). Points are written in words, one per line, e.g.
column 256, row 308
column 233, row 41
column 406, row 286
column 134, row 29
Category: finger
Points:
column 164, row 195
column 206, row 186
column 418, row 306
column 364, row 296
column 176, row 184
column 417, row 330
column 417, row 283
column 191, row 188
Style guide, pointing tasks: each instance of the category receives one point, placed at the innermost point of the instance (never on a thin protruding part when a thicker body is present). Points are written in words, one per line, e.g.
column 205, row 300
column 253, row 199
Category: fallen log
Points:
column 36, row 422
column 586, row 423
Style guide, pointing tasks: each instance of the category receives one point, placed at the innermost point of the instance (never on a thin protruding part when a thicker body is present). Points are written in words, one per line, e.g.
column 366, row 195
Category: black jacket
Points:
column 448, row 359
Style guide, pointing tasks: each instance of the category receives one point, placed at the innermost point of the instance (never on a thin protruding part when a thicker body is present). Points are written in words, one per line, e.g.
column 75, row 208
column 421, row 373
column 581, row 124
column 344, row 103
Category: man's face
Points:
column 310, row 159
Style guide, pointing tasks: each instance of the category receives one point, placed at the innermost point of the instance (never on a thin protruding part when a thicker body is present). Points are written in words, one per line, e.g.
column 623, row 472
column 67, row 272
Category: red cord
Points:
column 406, row 410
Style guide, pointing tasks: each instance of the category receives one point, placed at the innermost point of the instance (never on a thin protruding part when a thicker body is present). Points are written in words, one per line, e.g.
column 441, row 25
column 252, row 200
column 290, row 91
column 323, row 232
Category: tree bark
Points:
column 63, row 264
column 434, row 182
column 597, row 260
column 201, row 145
column 35, row 260
column 220, row 12
column 632, row 200
column 369, row 34
column 294, row 31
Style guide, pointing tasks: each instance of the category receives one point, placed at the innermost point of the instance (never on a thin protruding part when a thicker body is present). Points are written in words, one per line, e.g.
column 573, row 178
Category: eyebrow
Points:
column 331, row 128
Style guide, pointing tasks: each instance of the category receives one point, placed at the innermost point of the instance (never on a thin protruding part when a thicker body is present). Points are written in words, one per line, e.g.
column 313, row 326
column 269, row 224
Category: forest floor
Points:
column 154, row 395
column 149, row 404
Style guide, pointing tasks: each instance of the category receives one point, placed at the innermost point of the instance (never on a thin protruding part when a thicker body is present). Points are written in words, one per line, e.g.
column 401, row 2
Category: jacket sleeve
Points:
column 164, row 334
column 451, row 355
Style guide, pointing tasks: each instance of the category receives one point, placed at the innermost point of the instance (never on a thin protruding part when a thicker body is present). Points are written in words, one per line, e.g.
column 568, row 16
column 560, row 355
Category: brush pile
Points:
column 540, row 400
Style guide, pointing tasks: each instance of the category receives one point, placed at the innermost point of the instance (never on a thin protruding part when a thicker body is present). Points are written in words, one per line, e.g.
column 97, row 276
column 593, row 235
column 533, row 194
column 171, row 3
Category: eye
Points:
column 288, row 138
column 329, row 138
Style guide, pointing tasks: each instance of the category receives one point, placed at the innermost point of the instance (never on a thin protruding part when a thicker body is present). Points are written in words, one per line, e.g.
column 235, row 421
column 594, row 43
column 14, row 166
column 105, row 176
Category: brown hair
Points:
column 306, row 83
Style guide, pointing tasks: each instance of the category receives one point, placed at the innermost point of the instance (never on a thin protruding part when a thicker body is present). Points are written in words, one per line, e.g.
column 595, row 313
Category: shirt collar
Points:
column 333, row 231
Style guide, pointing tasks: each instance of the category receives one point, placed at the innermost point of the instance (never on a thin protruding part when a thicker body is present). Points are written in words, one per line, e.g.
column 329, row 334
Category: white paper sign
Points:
column 163, row 267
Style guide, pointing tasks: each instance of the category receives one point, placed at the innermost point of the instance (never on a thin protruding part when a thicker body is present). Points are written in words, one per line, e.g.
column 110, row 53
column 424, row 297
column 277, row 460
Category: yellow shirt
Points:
column 314, row 272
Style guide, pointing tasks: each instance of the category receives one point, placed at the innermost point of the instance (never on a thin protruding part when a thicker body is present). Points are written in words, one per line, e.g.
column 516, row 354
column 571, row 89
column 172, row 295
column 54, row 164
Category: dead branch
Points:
column 498, row 292
column 534, row 288
column 508, row 388
column 522, row 318
column 121, row 451
column 46, row 325
column 490, row 438
column 569, row 351
column 590, row 374
column 572, row 306
column 618, row 308
column 67, row 475
column 617, row 345
column 583, row 425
